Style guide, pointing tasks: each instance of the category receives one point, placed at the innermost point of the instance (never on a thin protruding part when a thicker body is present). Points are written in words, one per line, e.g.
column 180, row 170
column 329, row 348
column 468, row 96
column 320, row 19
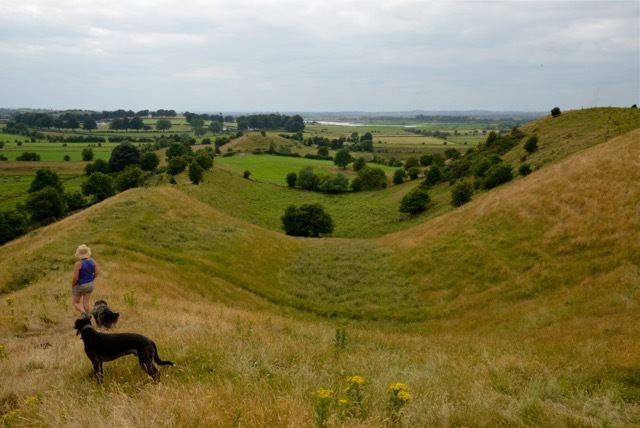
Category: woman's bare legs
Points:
column 85, row 302
column 75, row 300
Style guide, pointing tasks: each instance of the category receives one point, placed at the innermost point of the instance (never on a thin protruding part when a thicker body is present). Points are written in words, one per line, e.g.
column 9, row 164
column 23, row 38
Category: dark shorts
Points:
column 82, row 289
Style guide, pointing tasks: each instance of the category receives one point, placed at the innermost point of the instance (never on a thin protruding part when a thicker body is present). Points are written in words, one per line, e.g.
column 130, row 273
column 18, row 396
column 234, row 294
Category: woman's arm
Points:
column 76, row 274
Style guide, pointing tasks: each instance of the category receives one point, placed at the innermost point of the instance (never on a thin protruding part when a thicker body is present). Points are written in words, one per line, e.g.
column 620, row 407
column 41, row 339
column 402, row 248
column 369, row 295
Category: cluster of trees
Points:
column 307, row 220
column 271, row 121
column 180, row 156
column 367, row 179
column 121, row 123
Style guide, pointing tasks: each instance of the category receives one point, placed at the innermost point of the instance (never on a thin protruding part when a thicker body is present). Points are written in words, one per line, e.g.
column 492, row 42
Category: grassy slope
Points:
column 573, row 131
column 254, row 140
column 529, row 296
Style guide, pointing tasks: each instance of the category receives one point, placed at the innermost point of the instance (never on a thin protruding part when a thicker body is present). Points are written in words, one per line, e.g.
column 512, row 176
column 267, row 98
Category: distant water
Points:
column 324, row 122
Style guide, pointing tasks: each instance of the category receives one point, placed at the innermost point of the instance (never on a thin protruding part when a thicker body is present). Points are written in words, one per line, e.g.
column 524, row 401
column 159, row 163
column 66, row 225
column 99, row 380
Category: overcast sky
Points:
column 307, row 55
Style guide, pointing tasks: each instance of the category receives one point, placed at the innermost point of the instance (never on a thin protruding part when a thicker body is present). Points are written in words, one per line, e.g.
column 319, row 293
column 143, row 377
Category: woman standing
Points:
column 85, row 272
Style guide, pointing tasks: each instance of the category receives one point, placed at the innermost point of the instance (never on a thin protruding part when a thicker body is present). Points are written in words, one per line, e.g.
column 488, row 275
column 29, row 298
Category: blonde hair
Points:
column 83, row 252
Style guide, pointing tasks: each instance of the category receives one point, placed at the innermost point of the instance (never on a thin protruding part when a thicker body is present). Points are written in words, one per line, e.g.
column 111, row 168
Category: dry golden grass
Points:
column 528, row 299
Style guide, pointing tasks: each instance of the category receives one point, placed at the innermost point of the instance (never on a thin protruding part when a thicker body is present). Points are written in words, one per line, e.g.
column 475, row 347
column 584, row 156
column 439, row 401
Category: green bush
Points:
column 307, row 179
column 451, row 154
column 433, row 176
column 149, row 161
column 323, row 151
column 45, row 178
column 461, row 194
column 98, row 185
column 131, row 177
column 74, row 200
column 426, row 160
column 123, row 154
column 336, row 183
column 415, row 201
column 87, row 154
column 28, row 156
column 178, row 150
column 555, row 112
column 524, row 169
column 66, row 158
column 176, row 165
column 204, row 160
column 292, row 178
column 413, row 172
column 12, row 224
column 359, row 163
column 497, row 175
column 399, row 175
column 342, row 158
column 99, row 165
column 196, row 172
column 46, row 205
column 246, row 174
column 370, row 178
column 307, row 220
column 411, row 163
column 531, row 144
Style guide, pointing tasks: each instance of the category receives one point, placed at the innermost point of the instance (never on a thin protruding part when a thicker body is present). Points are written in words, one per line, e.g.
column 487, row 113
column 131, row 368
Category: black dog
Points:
column 104, row 316
column 101, row 347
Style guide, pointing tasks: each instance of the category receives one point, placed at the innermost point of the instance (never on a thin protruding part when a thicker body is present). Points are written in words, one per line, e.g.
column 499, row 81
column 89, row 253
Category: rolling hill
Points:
column 517, row 309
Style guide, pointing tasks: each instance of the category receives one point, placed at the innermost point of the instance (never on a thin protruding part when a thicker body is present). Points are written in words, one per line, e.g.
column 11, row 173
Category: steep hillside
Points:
column 573, row 131
column 518, row 309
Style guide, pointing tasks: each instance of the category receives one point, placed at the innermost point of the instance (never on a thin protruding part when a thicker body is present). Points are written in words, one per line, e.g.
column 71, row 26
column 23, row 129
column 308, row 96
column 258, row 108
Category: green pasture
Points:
column 274, row 169
column 16, row 177
column 356, row 215
column 56, row 151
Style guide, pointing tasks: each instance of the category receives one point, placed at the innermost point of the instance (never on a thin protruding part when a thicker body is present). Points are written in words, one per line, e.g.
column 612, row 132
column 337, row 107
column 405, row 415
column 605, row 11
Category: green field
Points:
column 274, row 169
column 56, row 151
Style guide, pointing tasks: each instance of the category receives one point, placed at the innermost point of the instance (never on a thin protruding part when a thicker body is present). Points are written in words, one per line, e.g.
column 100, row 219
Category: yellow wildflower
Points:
column 356, row 379
column 397, row 387
column 404, row 396
column 323, row 393
column 343, row 402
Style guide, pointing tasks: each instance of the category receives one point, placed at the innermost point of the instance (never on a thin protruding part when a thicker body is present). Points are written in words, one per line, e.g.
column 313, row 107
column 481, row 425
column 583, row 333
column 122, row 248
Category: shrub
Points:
column 532, row 144
column 122, row 155
column 246, row 174
column 307, row 220
column 434, row 176
column 415, row 201
column 149, row 161
column 46, row 205
column 524, row 169
column 132, row 176
column 307, row 179
column 413, row 172
column 204, row 160
column 337, row 183
column 12, row 224
column 28, row 156
column 177, row 150
column 359, row 163
column 555, row 112
column 74, row 200
column 87, row 154
column 196, row 172
column 45, row 178
column 497, row 175
column 176, row 165
column 425, row 160
column 399, row 175
column 451, row 154
column 461, row 194
column 370, row 178
column 98, row 185
column 342, row 158
column 99, row 165
column 323, row 151
column 411, row 163
column 292, row 177
column 66, row 158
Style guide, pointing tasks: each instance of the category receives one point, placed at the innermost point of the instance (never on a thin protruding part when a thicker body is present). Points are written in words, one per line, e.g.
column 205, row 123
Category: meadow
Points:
column 519, row 308
column 494, row 314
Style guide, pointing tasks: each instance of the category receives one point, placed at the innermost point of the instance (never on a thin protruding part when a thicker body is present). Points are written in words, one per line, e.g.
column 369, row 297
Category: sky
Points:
column 327, row 55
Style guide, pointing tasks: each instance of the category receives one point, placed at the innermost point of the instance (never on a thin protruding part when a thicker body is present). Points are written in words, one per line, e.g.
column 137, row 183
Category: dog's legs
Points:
column 97, row 370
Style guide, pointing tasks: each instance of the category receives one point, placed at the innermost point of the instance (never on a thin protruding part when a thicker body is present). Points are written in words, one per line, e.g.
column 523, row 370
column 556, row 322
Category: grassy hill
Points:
column 252, row 141
column 518, row 309
column 573, row 131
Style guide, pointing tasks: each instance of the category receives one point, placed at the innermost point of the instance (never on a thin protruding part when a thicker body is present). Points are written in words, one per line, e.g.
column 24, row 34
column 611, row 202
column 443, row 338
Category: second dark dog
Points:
column 103, row 315
column 101, row 347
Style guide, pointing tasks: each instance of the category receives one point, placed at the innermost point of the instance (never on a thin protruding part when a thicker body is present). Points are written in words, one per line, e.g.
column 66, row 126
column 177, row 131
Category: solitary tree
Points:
column 122, row 155
column 524, row 169
column 87, row 154
column 531, row 145
column 163, row 124
column 415, row 201
column 555, row 112
column 342, row 158
column 292, row 177
column 307, row 220
column 196, row 172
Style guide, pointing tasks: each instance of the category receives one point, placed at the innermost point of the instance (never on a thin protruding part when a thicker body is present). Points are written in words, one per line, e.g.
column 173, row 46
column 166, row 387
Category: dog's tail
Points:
column 157, row 359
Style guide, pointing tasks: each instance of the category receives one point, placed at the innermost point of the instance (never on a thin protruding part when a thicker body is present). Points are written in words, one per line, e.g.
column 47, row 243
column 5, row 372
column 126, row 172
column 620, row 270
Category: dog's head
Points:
column 109, row 318
column 100, row 303
column 81, row 323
